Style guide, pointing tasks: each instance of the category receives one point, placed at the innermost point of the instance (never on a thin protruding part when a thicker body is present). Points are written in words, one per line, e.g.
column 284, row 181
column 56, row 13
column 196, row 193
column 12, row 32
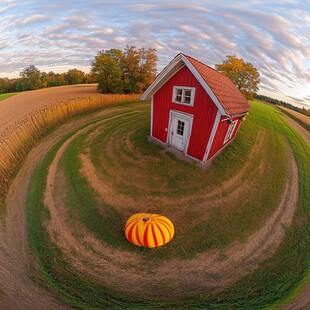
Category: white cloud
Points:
column 31, row 20
column 273, row 35
column 105, row 31
column 120, row 40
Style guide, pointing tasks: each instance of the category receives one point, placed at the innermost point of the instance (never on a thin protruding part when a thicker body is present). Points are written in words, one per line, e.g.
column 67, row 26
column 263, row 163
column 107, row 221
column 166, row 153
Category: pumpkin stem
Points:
column 146, row 218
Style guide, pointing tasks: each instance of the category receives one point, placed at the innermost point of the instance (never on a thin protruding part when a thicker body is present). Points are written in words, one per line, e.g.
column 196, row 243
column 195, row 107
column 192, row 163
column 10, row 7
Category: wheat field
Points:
column 16, row 143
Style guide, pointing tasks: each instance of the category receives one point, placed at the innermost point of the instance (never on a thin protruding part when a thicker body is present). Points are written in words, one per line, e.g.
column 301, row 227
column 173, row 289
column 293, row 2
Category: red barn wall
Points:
column 218, row 142
column 203, row 110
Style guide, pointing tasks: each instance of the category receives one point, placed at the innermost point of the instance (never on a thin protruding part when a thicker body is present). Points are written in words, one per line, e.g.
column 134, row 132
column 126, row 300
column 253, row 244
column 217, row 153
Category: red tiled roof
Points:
column 223, row 88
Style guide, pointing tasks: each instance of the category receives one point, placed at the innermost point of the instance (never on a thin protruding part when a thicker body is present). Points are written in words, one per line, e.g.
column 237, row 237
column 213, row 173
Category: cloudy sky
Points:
column 274, row 35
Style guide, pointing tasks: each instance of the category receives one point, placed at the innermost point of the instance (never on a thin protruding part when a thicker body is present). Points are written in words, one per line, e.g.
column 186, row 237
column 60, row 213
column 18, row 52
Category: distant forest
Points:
column 283, row 104
column 118, row 71
column 134, row 66
column 32, row 78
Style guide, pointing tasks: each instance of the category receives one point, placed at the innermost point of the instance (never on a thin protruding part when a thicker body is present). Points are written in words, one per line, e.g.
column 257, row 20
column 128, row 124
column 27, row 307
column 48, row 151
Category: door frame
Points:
column 182, row 116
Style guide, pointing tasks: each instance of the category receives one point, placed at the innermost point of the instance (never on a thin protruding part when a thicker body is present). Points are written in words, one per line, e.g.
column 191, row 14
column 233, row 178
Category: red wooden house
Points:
column 194, row 108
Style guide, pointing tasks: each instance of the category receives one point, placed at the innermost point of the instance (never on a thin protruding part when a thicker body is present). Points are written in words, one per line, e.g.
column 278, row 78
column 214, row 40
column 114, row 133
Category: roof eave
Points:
column 169, row 71
column 164, row 75
column 205, row 86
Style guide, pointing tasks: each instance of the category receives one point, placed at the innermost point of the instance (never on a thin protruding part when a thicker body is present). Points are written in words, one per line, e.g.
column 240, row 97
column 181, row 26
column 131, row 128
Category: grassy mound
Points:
column 147, row 179
column 211, row 209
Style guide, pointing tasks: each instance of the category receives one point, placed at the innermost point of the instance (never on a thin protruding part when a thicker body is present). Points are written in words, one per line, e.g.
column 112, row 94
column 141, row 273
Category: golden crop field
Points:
column 16, row 144
column 296, row 115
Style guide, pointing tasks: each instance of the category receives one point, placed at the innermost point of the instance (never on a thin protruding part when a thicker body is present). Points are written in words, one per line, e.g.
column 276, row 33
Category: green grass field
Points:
column 169, row 179
column 5, row 96
column 139, row 171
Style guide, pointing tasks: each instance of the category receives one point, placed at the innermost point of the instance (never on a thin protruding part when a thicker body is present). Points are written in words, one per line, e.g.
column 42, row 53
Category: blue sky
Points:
column 58, row 35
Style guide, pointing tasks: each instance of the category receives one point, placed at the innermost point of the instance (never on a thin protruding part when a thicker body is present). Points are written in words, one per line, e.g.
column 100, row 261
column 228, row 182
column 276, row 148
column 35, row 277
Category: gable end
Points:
column 170, row 70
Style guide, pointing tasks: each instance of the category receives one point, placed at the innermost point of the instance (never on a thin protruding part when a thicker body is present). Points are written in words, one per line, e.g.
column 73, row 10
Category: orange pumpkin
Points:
column 149, row 230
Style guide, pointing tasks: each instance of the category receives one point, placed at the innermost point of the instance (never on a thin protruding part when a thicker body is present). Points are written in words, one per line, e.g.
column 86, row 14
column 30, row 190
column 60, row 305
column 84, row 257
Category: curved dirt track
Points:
column 301, row 130
column 122, row 270
column 17, row 291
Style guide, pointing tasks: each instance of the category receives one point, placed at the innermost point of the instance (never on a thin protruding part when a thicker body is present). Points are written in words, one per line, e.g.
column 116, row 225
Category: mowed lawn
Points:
column 140, row 170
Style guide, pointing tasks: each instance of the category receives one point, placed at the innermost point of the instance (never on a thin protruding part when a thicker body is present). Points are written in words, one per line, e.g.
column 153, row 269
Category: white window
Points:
column 183, row 95
column 230, row 131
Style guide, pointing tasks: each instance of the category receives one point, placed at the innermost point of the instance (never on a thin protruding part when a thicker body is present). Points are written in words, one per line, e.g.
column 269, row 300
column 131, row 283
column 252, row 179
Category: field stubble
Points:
column 17, row 139
column 83, row 239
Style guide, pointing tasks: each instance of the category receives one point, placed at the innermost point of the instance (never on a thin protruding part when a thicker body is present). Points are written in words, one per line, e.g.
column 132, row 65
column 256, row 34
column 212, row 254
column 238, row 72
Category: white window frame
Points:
column 183, row 88
column 230, row 131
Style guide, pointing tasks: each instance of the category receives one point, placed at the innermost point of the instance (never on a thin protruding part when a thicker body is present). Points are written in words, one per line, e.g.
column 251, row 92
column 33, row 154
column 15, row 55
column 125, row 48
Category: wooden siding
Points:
column 218, row 142
column 203, row 110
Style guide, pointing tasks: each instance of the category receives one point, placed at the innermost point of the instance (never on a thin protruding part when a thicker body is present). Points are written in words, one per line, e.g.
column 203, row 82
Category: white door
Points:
column 179, row 131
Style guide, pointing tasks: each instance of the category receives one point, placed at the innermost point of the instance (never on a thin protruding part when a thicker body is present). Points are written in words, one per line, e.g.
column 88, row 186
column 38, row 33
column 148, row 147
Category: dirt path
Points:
column 199, row 205
column 301, row 130
column 303, row 300
column 301, row 117
column 17, row 291
column 208, row 271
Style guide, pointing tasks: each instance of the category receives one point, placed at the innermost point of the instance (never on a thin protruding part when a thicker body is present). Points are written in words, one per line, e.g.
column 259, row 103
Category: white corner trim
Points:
column 168, row 129
column 222, row 149
column 151, row 129
column 212, row 135
column 189, row 133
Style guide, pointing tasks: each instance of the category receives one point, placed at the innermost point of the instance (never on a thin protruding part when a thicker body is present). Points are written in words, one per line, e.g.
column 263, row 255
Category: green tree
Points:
column 243, row 74
column 106, row 70
column 128, row 71
column 148, row 63
column 130, row 68
column 52, row 79
column 4, row 85
column 30, row 78
column 44, row 79
column 59, row 79
column 75, row 76
column 139, row 67
column 89, row 78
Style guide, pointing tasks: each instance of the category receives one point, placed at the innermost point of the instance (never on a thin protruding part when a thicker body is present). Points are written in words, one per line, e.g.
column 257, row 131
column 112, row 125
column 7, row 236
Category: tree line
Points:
column 32, row 78
column 283, row 104
column 130, row 70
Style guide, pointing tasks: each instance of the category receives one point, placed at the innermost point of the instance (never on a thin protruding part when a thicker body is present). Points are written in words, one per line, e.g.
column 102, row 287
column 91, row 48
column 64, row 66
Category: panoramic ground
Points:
column 14, row 110
column 302, row 119
column 301, row 130
column 88, row 176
